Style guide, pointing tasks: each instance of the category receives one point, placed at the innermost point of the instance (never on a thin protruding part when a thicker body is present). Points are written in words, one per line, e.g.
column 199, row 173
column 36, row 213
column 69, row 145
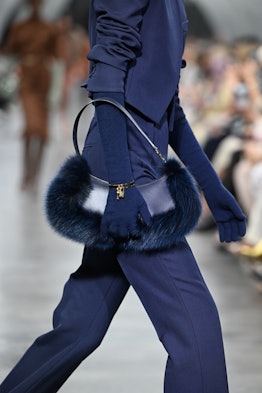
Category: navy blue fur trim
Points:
column 72, row 186
column 65, row 196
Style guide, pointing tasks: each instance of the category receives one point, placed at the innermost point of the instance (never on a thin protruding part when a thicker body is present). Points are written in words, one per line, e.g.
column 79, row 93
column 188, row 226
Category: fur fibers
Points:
column 72, row 186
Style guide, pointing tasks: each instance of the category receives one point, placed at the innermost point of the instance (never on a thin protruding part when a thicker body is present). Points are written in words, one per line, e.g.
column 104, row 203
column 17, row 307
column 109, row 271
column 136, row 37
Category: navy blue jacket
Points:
column 142, row 42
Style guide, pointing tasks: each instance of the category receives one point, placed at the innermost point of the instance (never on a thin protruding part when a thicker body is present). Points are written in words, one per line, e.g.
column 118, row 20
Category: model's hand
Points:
column 122, row 216
column 229, row 217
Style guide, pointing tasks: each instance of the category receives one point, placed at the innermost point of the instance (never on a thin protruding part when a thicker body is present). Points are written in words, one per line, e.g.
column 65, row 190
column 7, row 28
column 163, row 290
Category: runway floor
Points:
column 35, row 263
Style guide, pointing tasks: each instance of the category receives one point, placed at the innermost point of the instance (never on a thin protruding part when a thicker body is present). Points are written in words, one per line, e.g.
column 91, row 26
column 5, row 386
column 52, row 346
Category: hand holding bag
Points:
column 76, row 200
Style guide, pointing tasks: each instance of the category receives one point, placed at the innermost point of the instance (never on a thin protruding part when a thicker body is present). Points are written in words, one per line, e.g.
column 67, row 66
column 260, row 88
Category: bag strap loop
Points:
column 125, row 112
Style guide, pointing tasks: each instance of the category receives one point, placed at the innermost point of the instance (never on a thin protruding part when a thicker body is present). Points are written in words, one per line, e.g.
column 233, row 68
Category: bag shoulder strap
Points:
column 126, row 113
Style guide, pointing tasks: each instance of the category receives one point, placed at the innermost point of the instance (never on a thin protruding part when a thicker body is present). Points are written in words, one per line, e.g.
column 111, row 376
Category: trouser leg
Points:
column 91, row 297
column 173, row 292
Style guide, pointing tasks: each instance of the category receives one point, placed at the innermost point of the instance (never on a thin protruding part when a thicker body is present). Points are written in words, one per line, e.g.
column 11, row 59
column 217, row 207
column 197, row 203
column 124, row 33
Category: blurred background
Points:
column 226, row 19
column 40, row 95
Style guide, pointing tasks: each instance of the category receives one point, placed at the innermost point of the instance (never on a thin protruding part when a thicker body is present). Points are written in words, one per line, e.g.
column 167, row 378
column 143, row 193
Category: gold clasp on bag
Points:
column 120, row 191
column 120, row 188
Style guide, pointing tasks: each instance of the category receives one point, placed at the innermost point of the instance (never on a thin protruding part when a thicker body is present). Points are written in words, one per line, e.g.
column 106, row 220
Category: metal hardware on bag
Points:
column 120, row 191
column 160, row 155
column 120, row 188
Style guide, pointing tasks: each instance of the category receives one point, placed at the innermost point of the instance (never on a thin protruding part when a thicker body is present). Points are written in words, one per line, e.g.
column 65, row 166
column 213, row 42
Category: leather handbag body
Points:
column 76, row 200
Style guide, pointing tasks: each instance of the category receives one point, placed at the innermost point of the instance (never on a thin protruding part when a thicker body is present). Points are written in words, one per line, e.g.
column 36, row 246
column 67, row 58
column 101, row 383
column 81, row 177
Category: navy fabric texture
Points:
column 168, row 281
column 121, row 217
column 229, row 217
column 113, row 132
column 146, row 55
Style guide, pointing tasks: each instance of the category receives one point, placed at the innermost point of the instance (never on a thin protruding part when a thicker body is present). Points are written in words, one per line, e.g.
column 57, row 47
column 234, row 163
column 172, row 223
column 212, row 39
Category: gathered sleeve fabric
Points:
column 115, row 42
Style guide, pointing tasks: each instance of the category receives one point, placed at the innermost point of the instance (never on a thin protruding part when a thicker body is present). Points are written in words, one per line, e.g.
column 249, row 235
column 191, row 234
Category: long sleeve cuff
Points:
column 106, row 78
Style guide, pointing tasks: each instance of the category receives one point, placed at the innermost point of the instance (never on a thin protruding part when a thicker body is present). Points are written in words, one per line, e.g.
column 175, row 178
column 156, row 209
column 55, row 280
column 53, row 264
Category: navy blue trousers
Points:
column 176, row 299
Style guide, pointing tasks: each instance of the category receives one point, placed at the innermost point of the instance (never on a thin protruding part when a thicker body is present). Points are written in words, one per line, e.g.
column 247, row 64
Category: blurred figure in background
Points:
column 35, row 43
column 247, row 177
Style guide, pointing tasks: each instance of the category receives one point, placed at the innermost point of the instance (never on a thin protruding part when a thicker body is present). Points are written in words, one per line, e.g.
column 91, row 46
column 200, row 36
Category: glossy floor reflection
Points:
column 35, row 262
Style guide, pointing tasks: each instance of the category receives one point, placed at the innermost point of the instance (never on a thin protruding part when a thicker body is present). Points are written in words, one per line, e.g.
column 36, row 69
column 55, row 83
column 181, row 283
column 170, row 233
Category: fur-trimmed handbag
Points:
column 76, row 200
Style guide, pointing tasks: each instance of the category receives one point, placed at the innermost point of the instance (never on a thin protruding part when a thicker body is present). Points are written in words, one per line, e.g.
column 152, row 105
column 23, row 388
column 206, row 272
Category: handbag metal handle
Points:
column 126, row 113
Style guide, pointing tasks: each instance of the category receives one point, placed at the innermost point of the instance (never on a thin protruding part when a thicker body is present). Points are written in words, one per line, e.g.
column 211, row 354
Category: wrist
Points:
column 106, row 78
